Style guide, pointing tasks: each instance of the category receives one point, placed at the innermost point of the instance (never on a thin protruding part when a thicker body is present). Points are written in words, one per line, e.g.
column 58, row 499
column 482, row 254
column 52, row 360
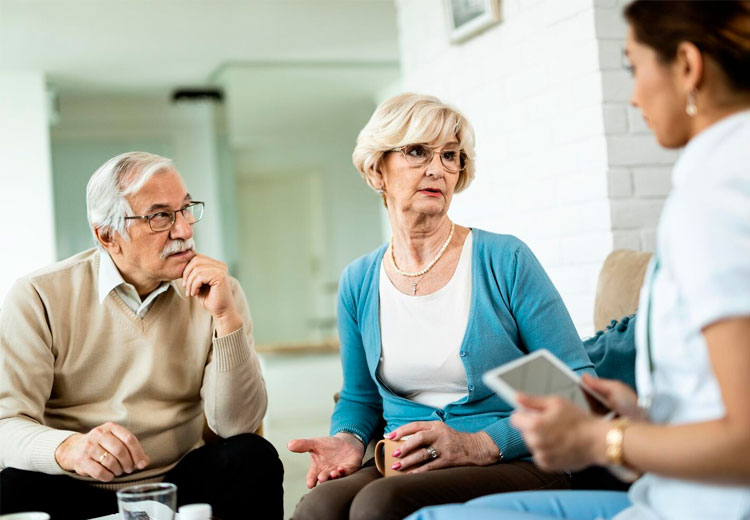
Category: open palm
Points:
column 332, row 457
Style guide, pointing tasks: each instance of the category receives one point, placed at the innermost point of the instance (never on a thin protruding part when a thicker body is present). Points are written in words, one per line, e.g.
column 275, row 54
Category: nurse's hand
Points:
column 619, row 396
column 560, row 435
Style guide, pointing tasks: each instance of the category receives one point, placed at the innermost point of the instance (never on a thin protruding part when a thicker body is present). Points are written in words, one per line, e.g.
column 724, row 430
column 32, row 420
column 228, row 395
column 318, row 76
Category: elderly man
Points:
column 111, row 359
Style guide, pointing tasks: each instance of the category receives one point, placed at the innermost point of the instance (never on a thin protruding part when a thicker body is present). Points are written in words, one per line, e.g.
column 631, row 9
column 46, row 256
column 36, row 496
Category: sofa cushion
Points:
column 619, row 285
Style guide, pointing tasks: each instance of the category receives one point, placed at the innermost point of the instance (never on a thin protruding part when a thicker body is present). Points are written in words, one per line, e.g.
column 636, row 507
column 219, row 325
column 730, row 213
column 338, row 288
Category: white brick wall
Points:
column 563, row 162
column 640, row 174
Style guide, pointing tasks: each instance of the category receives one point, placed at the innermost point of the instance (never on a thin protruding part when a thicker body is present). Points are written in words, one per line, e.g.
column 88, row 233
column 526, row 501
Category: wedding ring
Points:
column 432, row 452
column 102, row 457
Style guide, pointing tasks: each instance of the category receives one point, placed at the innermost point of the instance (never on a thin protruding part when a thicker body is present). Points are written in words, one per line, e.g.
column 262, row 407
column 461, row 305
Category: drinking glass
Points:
column 148, row 502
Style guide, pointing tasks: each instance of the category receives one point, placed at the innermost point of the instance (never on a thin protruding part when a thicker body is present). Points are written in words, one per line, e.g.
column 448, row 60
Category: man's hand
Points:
column 208, row 279
column 104, row 453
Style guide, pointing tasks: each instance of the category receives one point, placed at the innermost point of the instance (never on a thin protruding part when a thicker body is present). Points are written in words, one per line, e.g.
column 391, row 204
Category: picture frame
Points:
column 467, row 18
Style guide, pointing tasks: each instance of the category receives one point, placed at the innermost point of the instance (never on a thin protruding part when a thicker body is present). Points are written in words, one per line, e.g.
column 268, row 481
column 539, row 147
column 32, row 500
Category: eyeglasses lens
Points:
column 165, row 220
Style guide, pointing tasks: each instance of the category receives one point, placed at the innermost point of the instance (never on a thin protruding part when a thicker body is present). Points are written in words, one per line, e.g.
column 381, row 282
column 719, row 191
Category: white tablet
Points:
column 542, row 373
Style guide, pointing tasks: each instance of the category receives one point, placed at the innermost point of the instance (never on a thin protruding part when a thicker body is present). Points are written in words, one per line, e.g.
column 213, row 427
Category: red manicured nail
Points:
column 396, row 466
column 397, row 453
column 391, row 435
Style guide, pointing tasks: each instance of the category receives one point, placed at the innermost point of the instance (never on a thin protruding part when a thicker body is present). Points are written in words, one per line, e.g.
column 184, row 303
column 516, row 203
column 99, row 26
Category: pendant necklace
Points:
column 429, row 266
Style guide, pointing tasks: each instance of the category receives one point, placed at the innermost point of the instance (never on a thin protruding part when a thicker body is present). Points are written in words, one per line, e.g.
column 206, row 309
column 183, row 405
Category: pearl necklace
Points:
column 428, row 266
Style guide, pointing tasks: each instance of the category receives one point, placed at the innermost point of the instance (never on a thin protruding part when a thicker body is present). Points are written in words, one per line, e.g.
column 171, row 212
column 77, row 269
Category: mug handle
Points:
column 380, row 456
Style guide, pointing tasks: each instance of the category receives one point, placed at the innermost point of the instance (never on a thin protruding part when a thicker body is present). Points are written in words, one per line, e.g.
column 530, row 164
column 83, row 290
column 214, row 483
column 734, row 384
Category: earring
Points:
column 690, row 108
column 380, row 191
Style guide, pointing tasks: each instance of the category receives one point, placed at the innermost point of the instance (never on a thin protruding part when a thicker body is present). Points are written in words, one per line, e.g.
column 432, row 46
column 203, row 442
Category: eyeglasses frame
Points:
column 432, row 152
column 148, row 217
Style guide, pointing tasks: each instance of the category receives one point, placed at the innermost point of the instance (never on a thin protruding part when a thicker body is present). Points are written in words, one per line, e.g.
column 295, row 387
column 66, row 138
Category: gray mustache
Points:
column 177, row 246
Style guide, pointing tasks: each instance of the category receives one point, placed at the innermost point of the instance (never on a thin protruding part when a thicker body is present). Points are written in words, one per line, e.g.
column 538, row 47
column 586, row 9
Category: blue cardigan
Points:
column 514, row 310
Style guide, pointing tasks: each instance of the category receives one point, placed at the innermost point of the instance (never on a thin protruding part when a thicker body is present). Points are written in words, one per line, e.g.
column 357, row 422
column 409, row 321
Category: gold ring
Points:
column 102, row 457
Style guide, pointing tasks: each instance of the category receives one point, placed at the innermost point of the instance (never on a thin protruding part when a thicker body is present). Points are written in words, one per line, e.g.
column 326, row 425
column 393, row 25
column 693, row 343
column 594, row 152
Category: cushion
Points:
column 619, row 285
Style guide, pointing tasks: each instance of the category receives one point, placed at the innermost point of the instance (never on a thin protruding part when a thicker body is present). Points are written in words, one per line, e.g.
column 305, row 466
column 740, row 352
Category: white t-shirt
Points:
column 422, row 335
column 703, row 248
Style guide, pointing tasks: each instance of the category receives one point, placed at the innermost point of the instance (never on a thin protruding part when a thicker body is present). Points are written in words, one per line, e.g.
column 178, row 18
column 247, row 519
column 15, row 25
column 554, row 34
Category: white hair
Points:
column 413, row 118
column 108, row 187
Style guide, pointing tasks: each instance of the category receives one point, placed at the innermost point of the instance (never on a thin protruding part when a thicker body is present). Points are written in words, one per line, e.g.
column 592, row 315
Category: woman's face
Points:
column 658, row 94
column 422, row 189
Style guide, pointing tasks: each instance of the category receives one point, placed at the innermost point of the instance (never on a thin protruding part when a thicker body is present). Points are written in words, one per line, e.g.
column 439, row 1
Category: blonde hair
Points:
column 413, row 118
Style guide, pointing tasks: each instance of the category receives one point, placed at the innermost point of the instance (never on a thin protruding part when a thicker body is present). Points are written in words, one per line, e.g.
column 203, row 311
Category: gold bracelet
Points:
column 614, row 438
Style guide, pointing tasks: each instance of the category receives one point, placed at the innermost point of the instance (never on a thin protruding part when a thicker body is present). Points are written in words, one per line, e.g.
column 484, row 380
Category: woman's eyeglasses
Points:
column 452, row 158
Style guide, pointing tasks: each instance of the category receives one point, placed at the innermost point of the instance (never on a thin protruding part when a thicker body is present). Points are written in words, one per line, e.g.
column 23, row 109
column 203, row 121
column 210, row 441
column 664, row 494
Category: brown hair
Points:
column 720, row 30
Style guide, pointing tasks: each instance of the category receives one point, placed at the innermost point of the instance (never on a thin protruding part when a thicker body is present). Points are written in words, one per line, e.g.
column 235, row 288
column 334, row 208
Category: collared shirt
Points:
column 110, row 279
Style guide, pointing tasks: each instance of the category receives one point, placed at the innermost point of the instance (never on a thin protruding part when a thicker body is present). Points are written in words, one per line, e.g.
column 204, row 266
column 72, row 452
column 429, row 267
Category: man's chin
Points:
column 176, row 263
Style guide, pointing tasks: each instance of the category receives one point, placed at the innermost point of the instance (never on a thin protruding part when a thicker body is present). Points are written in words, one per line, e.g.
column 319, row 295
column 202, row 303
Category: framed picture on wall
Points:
column 467, row 18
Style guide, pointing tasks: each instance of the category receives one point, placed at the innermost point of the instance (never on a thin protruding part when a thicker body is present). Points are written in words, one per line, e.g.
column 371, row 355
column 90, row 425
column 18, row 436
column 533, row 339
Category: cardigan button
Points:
column 462, row 353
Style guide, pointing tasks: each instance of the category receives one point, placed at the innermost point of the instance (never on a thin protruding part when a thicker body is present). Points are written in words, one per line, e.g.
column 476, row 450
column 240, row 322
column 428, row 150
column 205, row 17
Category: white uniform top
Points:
column 703, row 251
column 421, row 337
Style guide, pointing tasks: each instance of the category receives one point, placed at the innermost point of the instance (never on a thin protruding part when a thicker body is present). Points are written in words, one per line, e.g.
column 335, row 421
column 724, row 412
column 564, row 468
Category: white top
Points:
column 703, row 276
column 111, row 279
column 421, row 337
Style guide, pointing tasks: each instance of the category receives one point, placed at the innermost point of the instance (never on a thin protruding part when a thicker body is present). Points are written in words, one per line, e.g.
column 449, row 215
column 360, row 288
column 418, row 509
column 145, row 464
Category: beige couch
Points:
column 619, row 285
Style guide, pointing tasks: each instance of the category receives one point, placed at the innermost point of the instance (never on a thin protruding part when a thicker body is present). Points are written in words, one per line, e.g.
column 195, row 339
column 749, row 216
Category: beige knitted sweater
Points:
column 69, row 363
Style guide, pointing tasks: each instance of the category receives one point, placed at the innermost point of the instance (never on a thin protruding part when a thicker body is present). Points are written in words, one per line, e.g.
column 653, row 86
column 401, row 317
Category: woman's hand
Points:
column 452, row 448
column 332, row 457
column 560, row 435
column 619, row 396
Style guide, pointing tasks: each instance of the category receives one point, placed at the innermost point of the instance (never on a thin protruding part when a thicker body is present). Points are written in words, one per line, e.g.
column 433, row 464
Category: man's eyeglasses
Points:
column 452, row 158
column 164, row 220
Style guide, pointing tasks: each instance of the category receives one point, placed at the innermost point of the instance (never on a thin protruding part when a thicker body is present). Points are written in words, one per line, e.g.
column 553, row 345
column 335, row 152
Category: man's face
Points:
column 141, row 260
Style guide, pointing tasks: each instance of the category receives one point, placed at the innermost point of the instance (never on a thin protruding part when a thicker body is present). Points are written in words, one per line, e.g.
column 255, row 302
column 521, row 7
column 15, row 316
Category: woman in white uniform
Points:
column 690, row 438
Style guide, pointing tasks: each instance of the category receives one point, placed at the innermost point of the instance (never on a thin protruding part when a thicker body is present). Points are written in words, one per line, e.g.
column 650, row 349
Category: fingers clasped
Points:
column 107, row 451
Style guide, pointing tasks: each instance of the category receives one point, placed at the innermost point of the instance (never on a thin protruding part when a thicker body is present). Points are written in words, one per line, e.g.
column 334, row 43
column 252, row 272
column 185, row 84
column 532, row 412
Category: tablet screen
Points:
column 540, row 376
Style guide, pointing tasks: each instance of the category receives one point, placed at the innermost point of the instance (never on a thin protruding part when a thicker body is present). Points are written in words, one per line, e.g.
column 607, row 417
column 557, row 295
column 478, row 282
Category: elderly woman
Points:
column 420, row 320
column 691, row 63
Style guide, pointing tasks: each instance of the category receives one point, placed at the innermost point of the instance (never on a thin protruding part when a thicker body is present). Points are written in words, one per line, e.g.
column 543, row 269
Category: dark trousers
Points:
column 241, row 477
column 365, row 495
